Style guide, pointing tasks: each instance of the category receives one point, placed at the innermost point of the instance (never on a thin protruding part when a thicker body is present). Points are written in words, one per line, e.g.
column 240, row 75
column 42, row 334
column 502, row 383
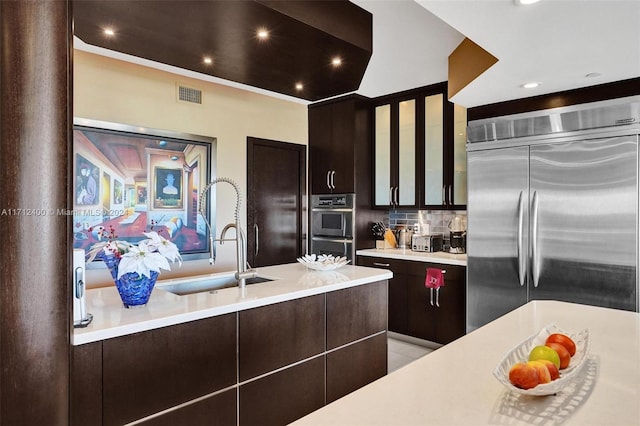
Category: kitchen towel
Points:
column 434, row 279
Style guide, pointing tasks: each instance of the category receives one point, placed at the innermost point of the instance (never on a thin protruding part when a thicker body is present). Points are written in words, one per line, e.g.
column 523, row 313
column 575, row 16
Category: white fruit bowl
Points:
column 323, row 262
column 520, row 353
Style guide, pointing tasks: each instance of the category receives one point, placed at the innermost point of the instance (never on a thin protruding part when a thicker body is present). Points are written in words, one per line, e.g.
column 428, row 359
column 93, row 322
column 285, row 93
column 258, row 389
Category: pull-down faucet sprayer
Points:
column 241, row 244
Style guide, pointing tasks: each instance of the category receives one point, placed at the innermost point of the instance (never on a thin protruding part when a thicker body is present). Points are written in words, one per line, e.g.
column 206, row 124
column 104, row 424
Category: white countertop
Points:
column 291, row 281
column 454, row 385
column 408, row 254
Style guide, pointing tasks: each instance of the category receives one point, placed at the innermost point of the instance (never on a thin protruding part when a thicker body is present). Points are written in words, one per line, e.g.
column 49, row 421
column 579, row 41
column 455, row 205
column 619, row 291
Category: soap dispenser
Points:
column 81, row 318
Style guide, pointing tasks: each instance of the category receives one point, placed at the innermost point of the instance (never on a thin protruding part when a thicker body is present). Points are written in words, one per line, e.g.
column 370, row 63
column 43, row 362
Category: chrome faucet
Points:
column 241, row 242
column 244, row 264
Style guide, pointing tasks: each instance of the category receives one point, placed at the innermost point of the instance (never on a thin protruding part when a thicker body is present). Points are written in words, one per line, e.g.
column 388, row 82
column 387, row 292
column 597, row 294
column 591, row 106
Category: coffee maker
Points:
column 457, row 235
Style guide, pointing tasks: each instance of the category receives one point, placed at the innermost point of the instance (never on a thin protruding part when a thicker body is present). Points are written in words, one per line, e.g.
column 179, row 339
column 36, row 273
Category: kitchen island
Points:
column 454, row 385
column 290, row 281
column 268, row 354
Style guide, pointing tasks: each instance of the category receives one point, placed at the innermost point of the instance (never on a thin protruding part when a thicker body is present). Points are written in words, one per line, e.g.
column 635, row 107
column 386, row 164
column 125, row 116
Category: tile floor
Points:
column 401, row 353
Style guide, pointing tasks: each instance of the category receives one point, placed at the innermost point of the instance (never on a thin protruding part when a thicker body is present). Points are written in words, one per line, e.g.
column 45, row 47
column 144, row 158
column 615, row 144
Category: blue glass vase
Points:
column 134, row 289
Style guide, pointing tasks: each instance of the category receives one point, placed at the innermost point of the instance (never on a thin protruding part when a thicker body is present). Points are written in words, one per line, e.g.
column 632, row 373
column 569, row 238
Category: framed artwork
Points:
column 87, row 191
column 134, row 173
column 117, row 192
column 168, row 188
column 141, row 194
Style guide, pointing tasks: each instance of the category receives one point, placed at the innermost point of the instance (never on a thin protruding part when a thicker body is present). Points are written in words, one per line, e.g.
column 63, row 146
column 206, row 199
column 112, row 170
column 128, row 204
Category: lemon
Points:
column 544, row 352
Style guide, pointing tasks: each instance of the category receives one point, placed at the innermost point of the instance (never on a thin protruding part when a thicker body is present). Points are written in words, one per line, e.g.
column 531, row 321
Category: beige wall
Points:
column 111, row 90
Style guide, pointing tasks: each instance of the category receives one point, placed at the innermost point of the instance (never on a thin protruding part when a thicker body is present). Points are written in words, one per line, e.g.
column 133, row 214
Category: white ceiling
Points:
column 554, row 42
column 410, row 47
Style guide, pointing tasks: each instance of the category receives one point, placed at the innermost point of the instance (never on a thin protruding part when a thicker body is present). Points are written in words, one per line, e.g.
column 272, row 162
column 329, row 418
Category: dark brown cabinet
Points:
column 215, row 410
column 419, row 147
column 284, row 396
column 86, row 385
column 397, row 312
column 166, row 367
column 356, row 365
column 355, row 313
column 412, row 311
column 281, row 334
column 340, row 157
column 396, row 160
column 440, row 319
column 279, row 362
column 338, row 146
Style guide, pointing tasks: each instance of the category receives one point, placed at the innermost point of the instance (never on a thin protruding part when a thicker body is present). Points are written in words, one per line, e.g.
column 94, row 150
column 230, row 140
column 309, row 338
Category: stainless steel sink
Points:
column 208, row 284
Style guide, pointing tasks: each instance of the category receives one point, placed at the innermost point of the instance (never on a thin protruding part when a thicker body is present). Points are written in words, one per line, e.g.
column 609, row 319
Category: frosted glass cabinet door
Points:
column 434, row 150
column 407, row 154
column 383, row 156
column 459, row 155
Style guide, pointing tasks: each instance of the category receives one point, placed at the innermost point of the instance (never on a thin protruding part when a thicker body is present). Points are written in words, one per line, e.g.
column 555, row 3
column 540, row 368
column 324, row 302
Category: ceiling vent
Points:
column 189, row 94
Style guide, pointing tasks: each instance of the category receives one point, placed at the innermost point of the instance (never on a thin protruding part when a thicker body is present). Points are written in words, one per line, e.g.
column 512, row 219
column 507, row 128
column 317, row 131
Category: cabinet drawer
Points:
column 395, row 265
column 274, row 336
column 166, row 367
column 86, row 385
column 453, row 272
column 217, row 410
column 355, row 366
column 284, row 396
column 356, row 312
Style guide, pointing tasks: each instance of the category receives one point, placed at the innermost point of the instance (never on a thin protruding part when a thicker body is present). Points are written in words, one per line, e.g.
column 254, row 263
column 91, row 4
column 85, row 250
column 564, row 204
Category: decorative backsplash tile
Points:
column 438, row 220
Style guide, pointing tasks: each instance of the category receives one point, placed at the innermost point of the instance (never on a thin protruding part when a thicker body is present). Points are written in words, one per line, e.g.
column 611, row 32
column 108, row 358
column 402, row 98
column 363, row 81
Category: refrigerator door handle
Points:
column 534, row 240
column 521, row 255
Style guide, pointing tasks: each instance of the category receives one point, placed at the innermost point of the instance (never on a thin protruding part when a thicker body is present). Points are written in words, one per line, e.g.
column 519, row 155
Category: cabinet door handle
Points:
column 333, row 174
column 255, row 227
column 396, row 197
column 444, row 195
column 451, row 195
column 431, row 292
column 386, row 265
column 438, row 297
column 328, row 184
column 391, row 195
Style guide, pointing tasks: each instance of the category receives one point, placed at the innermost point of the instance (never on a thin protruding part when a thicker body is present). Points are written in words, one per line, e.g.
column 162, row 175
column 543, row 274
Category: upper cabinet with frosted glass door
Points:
column 445, row 157
column 420, row 151
column 395, row 154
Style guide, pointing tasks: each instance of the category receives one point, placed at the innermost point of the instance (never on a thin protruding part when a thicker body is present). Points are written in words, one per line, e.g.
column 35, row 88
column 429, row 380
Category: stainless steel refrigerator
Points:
column 553, row 209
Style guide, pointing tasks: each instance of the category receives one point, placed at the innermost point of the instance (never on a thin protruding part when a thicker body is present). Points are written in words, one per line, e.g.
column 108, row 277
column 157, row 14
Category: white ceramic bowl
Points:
column 520, row 353
column 323, row 262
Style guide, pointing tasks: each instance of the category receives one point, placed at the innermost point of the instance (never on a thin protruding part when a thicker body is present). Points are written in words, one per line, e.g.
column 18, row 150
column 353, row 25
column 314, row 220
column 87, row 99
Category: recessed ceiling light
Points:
column 174, row 157
column 109, row 32
column 593, row 75
column 525, row 2
column 299, row 86
column 262, row 34
column 207, row 60
column 162, row 143
column 531, row 85
column 336, row 62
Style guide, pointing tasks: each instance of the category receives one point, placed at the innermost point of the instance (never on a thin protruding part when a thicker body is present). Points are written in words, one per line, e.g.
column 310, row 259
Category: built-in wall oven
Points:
column 332, row 224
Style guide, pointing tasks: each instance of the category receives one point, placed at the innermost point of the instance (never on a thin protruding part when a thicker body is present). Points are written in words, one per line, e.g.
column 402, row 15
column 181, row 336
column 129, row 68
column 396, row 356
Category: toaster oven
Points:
column 427, row 243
